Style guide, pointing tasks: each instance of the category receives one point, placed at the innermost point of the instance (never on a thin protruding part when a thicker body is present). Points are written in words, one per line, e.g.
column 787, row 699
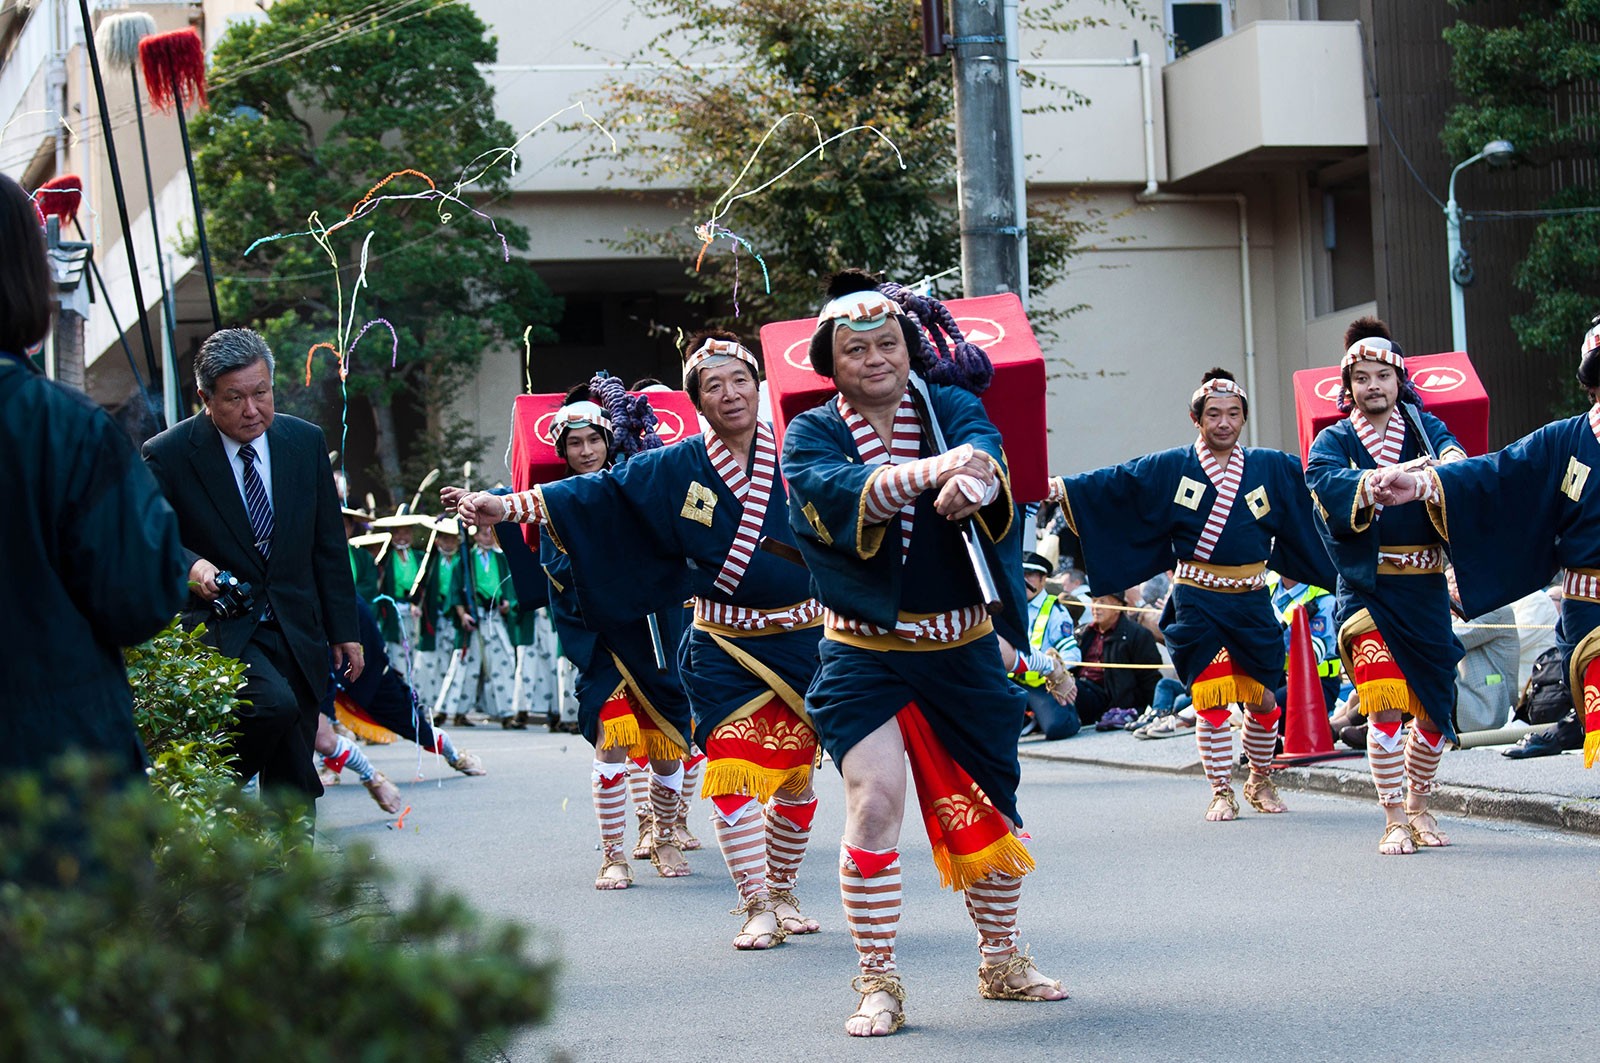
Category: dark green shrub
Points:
column 227, row 949
column 184, row 696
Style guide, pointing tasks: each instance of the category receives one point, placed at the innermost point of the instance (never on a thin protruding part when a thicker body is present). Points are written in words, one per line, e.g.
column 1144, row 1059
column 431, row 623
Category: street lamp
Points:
column 1498, row 152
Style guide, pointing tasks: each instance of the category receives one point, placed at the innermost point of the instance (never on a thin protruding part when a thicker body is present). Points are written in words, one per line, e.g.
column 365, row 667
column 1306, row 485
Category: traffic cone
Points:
column 1306, row 736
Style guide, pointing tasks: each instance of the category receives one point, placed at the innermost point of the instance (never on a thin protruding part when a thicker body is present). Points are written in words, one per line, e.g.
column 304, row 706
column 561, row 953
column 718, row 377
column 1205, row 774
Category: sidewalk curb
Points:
column 1551, row 811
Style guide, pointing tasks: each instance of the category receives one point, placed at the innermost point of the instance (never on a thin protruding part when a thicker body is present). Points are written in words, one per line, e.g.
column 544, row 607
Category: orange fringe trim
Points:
column 742, row 777
column 957, row 871
column 363, row 728
column 621, row 732
column 1591, row 747
column 624, row 732
column 1378, row 695
column 1217, row 693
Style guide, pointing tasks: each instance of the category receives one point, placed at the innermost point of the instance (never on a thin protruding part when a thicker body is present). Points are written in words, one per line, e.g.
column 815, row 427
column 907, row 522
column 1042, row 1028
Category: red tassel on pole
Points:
column 61, row 196
column 174, row 61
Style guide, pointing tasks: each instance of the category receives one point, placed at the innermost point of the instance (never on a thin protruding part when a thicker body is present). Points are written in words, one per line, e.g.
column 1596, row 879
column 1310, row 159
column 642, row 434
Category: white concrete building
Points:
column 1233, row 179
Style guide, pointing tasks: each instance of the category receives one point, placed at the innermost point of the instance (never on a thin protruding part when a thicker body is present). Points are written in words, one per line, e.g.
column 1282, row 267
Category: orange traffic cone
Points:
column 1306, row 736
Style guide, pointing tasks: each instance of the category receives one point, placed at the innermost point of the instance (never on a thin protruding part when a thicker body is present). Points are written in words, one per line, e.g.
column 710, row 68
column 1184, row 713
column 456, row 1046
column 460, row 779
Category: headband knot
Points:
column 1373, row 349
column 1218, row 386
column 713, row 349
column 584, row 414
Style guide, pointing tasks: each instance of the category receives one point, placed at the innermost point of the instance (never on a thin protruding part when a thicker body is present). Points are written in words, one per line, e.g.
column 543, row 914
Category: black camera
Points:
column 234, row 598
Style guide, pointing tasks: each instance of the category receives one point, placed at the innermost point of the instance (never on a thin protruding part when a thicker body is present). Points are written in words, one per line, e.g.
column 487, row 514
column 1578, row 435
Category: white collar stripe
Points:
column 1226, row 481
column 754, row 493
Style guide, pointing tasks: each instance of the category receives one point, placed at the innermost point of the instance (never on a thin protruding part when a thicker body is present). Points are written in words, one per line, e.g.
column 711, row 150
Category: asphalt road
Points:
column 1272, row 938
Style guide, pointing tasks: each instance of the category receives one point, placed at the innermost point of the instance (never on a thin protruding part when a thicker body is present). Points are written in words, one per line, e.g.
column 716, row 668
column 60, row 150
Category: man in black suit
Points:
column 255, row 497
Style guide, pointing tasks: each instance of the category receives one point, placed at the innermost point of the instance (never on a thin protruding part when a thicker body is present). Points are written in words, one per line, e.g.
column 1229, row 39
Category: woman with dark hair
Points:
column 26, row 286
column 92, row 547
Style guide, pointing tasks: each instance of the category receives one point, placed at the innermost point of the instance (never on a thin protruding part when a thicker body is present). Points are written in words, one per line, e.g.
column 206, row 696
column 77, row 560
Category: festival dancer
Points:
column 1394, row 609
column 1513, row 518
column 446, row 625
column 398, row 573
column 382, row 697
column 1217, row 514
column 910, row 665
column 752, row 650
column 627, row 705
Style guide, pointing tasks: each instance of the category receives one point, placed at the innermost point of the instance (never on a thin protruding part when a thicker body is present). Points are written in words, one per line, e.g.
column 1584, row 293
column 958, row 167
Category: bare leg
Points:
column 869, row 874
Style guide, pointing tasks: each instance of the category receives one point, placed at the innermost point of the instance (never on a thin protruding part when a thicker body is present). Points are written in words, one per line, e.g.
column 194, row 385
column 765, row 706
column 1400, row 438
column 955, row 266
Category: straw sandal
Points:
column 641, row 848
column 1262, row 794
column 866, row 985
column 1404, row 845
column 792, row 921
column 754, row 907
column 603, row 881
column 994, row 980
column 1426, row 833
column 1223, row 807
column 686, row 839
column 663, row 848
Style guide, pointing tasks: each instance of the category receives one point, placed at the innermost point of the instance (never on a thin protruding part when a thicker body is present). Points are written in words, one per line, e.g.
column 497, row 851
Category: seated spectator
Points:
column 1051, row 647
column 1536, row 630
column 1114, row 637
column 1075, row 593
column 1485, row 678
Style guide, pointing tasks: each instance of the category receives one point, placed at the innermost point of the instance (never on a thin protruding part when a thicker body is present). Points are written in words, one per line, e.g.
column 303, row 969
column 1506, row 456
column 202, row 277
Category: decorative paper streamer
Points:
column 710, row 230
column 344, row 348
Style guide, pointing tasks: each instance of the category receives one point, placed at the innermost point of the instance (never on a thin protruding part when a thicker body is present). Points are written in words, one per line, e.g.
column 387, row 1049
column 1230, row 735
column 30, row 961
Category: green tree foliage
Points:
column 693, row 123
column 224, row 950
column 1533, row 83
column 184, row 696
column 310, row 107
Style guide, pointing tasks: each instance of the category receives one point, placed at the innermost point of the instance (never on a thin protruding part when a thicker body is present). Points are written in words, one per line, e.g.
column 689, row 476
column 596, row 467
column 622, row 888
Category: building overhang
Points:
column 1273, row 95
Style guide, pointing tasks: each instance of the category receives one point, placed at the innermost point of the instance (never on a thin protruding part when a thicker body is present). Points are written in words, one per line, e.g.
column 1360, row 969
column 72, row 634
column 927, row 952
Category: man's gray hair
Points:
column 227, row 350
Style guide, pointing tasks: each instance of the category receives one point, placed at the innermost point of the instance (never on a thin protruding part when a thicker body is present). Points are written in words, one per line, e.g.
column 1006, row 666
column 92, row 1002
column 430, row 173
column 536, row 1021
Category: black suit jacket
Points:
column 307, row 579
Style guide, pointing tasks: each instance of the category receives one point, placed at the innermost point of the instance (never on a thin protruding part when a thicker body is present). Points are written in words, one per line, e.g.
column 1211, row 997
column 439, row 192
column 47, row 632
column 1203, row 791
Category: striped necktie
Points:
column 255, row 497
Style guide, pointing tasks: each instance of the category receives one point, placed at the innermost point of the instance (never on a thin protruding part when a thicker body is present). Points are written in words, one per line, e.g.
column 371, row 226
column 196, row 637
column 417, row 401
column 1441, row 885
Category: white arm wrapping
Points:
column 898, row 485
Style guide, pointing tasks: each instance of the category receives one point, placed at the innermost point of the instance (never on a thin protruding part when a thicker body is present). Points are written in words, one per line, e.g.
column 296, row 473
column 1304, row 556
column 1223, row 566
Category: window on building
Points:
column 1341, row 212
column 1192, row 23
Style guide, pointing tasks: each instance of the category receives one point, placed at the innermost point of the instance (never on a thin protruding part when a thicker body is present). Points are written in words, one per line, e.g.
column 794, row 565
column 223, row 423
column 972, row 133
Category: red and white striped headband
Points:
column 715, row 348
column 1591, row 340
column 1218, row 386
column 862, row 311
column 1373, row 349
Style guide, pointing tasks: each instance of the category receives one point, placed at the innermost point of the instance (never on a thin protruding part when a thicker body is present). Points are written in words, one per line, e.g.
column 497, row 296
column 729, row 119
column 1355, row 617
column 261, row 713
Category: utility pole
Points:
column 986, row 177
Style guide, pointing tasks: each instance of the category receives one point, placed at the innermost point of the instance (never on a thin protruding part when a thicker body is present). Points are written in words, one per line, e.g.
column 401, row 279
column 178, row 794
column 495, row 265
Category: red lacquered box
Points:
column 1014, row 401
column 533, row 452
column 1449, row 387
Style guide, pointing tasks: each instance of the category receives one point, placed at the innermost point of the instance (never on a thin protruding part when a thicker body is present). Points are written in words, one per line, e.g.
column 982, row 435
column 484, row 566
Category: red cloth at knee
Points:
column 800, row 815
column 1388, row 727
column 1268, row 720
column 870, row 863
column 1217, row 718
column 640, row 762
column 337, row 762
column 728, row 804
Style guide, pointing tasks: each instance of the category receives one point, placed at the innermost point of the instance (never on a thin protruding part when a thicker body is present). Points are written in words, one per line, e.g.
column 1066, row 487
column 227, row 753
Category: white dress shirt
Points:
column 263, row 464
